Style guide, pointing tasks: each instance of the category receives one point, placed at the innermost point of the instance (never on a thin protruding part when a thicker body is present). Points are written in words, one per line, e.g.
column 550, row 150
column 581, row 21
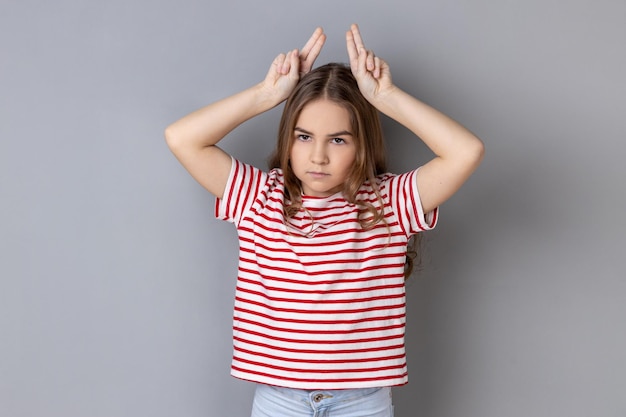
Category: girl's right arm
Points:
column 193, row 138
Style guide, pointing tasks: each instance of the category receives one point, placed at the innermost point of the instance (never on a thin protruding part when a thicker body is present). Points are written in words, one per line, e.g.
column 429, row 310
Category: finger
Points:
column 356, row 34
column 312, row 42
column 310, row 54
column 286, row 63
column 369, row 61
column 362, row 64
column 377, row 67
column 294, row 65
column 352, row 52
column 278, row 63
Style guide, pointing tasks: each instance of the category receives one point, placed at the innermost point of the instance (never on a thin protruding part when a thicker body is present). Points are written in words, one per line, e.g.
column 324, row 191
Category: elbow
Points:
column 170, row 137
column 480, row 151
column 477, row 152
column 471, row 156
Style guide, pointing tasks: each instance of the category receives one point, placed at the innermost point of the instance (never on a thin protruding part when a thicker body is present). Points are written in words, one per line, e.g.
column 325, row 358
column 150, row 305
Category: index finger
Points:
column 312, row 49
column 352, row 52
column 355, row 45
column 356, row 35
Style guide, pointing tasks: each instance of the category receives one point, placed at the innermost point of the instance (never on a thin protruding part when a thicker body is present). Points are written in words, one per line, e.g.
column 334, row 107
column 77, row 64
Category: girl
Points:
column 319, row 310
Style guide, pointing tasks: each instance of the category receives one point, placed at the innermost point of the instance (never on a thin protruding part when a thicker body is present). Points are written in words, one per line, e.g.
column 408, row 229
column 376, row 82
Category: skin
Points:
column 324, row 150
column 193, row 138
column 458, row 152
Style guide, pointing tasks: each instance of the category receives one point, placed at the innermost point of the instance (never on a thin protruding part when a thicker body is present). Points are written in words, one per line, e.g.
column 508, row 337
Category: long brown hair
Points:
column 336, row 83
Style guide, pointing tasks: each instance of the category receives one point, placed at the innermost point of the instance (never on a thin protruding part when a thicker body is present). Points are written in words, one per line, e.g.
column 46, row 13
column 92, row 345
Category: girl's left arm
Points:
column 458, row 151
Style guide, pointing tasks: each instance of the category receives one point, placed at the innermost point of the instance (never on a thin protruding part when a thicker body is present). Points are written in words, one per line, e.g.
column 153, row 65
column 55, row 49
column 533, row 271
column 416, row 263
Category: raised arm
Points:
column 193, row 138
column 458, row 152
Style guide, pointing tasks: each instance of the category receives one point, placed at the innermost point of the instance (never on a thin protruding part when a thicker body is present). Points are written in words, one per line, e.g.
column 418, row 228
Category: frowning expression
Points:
column 323, row 149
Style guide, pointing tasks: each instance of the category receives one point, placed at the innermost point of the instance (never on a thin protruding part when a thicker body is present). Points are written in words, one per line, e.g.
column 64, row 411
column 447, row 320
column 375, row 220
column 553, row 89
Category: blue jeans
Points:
column 272, row 401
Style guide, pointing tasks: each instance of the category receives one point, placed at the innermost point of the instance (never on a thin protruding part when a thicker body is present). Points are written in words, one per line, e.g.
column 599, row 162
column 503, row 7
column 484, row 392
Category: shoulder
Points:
column 257, row 181
column 248, row 188
column 383, row 183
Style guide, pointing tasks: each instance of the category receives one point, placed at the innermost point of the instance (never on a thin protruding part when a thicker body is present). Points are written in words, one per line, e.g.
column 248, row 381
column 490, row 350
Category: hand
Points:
column 286, row 70
column 371, row 72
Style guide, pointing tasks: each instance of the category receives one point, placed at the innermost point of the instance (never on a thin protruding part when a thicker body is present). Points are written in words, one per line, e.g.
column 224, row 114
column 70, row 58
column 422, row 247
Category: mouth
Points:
column 317, row 174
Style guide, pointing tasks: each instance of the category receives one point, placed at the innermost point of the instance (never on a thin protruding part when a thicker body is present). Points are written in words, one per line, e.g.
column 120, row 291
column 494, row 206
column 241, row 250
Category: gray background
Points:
column 116, row 282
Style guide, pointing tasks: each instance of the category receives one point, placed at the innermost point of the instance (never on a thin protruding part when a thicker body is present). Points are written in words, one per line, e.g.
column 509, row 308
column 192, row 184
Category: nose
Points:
column 319, row 154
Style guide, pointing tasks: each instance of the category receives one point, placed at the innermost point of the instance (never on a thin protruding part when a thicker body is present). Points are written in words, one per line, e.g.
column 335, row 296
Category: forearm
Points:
column 207, row 126
column 444, row 136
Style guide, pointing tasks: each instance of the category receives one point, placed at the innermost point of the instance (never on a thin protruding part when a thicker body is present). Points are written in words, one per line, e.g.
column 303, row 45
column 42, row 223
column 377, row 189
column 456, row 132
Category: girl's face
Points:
column 323, row 149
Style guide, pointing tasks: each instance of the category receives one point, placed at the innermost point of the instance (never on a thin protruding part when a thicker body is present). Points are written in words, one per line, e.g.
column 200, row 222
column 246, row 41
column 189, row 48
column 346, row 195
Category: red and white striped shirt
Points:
column 320, row 302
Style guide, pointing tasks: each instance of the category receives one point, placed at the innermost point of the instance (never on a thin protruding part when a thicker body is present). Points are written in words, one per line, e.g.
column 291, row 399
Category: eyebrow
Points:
column 341, row 133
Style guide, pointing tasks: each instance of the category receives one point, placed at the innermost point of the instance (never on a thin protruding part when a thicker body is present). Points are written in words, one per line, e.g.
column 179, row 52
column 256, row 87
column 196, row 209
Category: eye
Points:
column 338, row 141
column 304, row 138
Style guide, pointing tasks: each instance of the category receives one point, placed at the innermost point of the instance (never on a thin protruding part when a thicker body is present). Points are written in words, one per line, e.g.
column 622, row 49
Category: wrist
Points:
column 387, row 99
column 265, row 97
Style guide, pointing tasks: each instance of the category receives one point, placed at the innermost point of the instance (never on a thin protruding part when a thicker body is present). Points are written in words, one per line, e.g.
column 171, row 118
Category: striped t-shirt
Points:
column 320, row 302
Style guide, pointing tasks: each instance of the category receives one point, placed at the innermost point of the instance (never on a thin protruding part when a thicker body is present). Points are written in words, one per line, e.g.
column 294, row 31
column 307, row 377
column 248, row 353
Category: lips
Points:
column 318, row 174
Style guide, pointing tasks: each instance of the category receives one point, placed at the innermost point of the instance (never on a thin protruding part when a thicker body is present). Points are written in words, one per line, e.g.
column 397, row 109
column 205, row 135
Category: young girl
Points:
column 319, row 312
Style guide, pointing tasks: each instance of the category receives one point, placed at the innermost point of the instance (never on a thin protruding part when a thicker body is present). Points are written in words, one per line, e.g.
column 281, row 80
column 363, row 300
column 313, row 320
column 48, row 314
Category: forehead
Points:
column 324, row 116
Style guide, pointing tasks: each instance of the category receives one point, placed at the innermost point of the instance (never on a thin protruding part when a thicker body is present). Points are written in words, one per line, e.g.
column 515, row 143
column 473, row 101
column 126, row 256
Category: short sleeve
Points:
column 403, row 197
column 241, row 190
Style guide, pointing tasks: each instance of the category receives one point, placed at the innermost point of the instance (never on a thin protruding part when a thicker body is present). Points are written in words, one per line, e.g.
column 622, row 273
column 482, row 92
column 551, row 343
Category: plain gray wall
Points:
column 116, row 282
